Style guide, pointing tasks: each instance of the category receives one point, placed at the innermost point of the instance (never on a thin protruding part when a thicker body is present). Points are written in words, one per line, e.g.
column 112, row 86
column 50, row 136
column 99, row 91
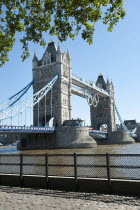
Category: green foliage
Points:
column 63, row 18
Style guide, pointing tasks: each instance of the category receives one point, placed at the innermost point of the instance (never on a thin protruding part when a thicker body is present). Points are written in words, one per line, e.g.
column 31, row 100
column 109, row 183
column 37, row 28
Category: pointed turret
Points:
column 68, row 55
column 35, row 61
column 58, row 49
column 107, row 82
column 35, row 57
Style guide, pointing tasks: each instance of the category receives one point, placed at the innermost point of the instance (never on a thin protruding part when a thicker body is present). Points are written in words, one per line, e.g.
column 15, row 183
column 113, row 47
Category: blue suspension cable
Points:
column 30, row 102
column 121, row 121
column 16, row 97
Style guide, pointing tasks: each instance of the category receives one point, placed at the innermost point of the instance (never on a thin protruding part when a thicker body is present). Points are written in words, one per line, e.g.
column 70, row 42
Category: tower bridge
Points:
column 56, row 62
column 53, row 86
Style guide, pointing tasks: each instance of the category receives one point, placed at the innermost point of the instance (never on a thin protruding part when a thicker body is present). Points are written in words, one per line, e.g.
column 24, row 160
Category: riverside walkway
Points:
column 14, row 198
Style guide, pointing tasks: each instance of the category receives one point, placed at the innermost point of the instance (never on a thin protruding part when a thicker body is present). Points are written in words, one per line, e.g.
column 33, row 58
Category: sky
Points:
column 115, row 54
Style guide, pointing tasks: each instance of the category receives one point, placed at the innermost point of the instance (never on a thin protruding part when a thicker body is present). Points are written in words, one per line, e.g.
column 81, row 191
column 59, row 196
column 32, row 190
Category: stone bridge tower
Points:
column 104, row 113
column 57, row 103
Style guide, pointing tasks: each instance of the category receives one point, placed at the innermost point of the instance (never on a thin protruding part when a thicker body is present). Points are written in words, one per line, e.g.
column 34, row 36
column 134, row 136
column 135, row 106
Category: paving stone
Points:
column 41, row 199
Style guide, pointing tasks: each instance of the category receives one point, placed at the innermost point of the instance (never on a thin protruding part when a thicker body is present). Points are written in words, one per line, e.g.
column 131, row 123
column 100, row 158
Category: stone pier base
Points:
column 74, row 137
column 119, row 137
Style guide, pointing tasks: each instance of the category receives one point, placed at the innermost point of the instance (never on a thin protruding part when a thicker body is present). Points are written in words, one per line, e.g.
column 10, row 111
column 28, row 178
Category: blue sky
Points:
column 116, row 55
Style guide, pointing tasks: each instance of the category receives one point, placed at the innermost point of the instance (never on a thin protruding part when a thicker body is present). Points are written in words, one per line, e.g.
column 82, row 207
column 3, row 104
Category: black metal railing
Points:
column 107, row 166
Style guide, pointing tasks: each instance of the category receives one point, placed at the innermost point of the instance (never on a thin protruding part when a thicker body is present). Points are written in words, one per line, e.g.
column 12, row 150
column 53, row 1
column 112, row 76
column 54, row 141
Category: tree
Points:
column 63, row 18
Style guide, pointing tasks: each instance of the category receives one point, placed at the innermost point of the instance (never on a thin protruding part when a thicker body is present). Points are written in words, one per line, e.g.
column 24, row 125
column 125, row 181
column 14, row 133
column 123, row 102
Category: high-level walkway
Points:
column 79, row 82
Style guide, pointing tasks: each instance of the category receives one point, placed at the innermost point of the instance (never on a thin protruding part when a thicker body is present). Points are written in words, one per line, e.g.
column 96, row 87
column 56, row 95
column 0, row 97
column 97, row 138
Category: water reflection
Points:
column 8, row 149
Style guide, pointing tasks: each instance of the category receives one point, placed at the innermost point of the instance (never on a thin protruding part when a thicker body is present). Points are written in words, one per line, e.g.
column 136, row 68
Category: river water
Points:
column 127, row 173
column 100, row 149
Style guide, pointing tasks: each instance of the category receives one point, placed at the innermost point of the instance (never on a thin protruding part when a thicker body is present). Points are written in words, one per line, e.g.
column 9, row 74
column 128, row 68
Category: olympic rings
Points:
column 92, row 100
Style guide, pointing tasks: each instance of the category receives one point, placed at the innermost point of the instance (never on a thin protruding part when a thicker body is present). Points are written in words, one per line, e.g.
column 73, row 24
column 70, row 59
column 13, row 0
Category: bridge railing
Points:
column 101, row 166
column 9, row 127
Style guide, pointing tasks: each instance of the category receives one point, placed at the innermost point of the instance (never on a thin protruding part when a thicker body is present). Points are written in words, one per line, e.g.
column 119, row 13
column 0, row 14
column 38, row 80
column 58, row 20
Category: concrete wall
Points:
column 68, row 184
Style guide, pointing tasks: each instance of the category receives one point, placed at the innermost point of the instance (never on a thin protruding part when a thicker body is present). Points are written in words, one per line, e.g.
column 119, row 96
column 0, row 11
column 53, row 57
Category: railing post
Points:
column 46, row 161
column 75, row 172
column 108, row 171
column 21, row 169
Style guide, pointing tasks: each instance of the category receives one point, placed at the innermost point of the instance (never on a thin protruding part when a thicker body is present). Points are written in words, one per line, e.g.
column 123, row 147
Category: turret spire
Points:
column 35, row 57
column 107, row 81
column 68, row 55
column 58, row 48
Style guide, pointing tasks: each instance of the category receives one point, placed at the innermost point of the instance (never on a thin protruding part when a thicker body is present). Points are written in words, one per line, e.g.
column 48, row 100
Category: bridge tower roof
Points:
column 101, row 82
column 51, row 48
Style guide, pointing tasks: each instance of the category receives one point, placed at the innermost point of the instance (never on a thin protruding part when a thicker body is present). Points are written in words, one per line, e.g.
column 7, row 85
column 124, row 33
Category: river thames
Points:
column 95, row 172
column 100, row 149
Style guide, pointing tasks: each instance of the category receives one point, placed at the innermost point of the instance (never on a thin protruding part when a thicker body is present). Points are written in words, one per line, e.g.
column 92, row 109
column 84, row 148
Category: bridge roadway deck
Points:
column 30, row 129
column 99, row 134
column 25, row 129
